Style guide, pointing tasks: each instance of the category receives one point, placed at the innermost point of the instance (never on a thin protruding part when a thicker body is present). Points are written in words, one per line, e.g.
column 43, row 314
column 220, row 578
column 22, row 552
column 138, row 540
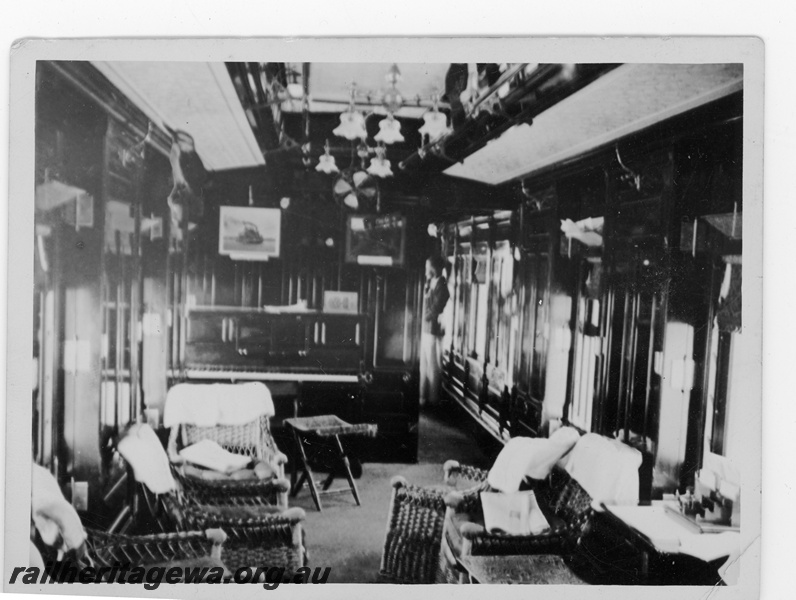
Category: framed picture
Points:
column 249, row 233
column 341, row 302
column 378, row 240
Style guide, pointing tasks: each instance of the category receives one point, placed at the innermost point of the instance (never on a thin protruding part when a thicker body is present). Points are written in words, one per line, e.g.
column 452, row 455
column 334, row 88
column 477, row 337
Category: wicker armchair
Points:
column 567, row 506
column 411, row 551
column 258, row 534
column 253, row 439
column 60, row 539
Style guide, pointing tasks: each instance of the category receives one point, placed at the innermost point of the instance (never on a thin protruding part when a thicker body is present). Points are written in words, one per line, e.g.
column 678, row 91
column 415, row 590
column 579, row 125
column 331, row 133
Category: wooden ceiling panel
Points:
column 196, row 97
column 626, row 100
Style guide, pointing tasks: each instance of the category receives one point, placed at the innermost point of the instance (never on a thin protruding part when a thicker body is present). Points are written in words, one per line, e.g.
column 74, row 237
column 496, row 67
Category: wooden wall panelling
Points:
column 68, row 149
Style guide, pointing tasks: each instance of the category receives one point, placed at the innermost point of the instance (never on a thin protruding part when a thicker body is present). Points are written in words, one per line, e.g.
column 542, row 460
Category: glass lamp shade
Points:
column 380, row 167
column 389, row 131
column 326, row 164
column 352, row 126
column 435, row 125
column 351, row 201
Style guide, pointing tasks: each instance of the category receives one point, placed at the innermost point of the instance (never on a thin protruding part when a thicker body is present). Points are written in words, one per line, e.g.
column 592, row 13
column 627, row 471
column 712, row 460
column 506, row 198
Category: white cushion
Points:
column 210, row 455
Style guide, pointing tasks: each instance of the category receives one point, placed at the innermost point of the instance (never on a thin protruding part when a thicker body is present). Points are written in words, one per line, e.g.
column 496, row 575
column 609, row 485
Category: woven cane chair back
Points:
column 251, row 439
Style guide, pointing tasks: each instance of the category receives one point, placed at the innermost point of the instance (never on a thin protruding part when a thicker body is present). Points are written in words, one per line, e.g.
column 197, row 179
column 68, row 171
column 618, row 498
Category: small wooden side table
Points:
column 541, row 569
column 323, row 426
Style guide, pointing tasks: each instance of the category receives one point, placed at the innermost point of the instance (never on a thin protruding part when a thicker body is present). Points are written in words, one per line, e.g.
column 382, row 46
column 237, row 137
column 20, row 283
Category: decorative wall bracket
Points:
column 538, row 200
column 629, row 176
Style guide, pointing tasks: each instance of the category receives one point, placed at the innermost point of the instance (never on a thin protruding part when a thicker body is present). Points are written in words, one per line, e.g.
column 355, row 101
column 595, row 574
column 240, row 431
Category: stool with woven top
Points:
column 324, row 427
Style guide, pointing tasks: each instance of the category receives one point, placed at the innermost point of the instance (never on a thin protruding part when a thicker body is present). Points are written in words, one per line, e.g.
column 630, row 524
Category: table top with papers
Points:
column 669, row 534
column 540, row 569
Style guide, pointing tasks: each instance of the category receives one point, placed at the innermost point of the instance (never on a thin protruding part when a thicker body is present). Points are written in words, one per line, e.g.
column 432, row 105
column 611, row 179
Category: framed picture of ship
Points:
column 249, row 233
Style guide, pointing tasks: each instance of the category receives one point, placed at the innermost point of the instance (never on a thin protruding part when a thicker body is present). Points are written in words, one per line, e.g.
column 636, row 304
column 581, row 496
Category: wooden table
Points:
column 541, row 569
column 681, row 554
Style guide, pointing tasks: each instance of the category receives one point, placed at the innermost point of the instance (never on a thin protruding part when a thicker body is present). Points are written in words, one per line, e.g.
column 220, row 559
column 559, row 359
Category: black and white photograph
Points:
column 249, row 233
column 389, row 312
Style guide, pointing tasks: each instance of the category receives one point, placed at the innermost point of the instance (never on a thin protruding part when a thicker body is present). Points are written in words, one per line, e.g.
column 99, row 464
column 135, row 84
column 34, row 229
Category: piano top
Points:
column 268, row 311
column 216, row 373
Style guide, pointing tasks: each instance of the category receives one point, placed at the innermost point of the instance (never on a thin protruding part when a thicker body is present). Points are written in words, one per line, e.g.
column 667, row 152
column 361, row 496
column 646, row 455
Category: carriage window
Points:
column 500, row 315
column 527, row 286
column 585, row 366
column 540, row 301
column 725, row 337
column 481, row 291
column 461, row 288
column 472, row 317
column 479, row 303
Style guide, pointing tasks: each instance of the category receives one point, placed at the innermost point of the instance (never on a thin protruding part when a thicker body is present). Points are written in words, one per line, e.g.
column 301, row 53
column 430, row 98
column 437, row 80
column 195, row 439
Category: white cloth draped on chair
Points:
column 523, row 457
column 606, row 468
column 208, row 405
column 55, row 519
column 142, row 450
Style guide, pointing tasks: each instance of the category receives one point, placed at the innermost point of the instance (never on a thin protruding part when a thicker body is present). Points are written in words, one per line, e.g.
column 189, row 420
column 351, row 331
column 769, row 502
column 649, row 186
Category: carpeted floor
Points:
column 348, row 538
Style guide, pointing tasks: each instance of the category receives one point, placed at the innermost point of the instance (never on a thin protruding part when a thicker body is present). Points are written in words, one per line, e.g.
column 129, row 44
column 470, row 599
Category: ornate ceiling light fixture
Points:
column 353, row 127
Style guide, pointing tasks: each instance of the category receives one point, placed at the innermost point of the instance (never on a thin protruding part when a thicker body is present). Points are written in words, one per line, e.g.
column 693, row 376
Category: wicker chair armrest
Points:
column 231, row 517
column 108, row 549
column 454, row 500
column 280, row 458
column 464, row 501
column 418, row 495
column 232, row 487
column 553, row 541
column 453, row 471
column 473, row 531
column 399, row 481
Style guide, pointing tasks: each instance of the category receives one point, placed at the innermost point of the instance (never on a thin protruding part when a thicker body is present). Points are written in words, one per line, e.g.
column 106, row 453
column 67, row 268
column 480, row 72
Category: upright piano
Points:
column 256, row 344
column 315, row 362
